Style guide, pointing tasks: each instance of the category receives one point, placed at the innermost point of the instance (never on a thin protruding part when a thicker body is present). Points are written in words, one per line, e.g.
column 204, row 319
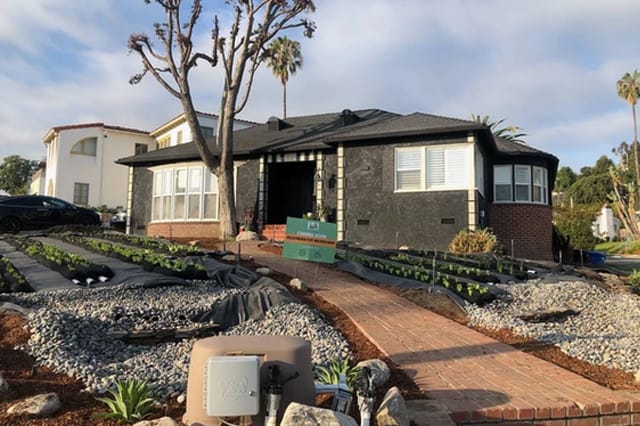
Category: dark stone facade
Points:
column 142, row 200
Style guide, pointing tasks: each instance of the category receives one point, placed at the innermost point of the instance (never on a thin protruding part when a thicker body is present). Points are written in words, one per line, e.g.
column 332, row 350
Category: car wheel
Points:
column 10, row 225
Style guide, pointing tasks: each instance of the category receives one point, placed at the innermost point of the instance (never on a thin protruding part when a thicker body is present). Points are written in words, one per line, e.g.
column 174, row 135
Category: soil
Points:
column 81, row 408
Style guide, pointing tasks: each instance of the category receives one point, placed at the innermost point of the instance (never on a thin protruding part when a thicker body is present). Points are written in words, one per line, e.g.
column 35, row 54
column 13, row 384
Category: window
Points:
column 432, row 168
column 184, row 193
column 81, row 193
column 164, row 142
column 141, row 148
column 522, row 179
column 207, row 132
column 409, row 169
column 179, row 138
column 86, row 146
column 521, row 184
column 502, row 179
column 540, row 186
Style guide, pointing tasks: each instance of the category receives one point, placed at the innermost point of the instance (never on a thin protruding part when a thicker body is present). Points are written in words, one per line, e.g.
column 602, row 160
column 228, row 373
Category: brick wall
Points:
column 189, row 230
column 274, row 232
column 528, row 225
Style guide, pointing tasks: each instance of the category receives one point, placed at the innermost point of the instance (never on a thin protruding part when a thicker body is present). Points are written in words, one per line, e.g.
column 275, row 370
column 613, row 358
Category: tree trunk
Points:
column 635, row 146
column 226, row 191
column 284, row 100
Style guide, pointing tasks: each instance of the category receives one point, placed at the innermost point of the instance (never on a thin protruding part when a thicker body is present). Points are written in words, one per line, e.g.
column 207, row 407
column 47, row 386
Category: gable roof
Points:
column 57, row 129
column 180, row 118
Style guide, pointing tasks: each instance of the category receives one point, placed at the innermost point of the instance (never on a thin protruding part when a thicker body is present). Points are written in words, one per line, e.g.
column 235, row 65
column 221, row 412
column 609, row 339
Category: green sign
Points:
column 310, row 240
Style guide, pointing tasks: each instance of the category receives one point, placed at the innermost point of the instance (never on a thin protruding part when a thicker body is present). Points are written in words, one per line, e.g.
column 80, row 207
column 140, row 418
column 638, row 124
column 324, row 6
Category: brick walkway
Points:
column 479, row 380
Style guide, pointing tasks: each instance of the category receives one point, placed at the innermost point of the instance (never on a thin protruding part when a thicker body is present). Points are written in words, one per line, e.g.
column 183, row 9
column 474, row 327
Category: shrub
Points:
column 130, row 401
column 466, row 241
column 634, row 280
column 331, row 373
column 574, row 224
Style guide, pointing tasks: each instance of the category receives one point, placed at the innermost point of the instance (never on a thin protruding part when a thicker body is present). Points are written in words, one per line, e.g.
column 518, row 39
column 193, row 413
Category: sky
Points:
column 547, row 66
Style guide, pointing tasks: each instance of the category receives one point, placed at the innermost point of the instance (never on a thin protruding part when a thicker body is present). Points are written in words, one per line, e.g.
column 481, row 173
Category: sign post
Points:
column 310, row 240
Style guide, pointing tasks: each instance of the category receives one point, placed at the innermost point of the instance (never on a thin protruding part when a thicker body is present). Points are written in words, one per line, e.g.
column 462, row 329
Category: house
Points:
column 81, row 157
column 388, row 179
column 606, row 226
column 81, row 164
column 38, row 178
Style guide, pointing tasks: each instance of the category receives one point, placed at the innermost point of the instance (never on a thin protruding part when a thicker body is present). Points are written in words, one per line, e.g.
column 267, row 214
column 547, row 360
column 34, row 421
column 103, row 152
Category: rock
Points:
column 181, row 398
column 162, row 421
column 4, row 385
column 552, row 313
column 263, row 271
column 194, row 243
column 392, row 410
column 637, row 376
column 304, row 415
column 379, row 370
column 228, row 258
column 297, row 283
column 404, row 248
column 247, row 236
column 42, row 405
column 12, row 308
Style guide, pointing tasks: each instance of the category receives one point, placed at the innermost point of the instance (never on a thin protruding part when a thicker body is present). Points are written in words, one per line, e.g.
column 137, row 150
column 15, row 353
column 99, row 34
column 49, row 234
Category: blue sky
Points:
column 548, row 66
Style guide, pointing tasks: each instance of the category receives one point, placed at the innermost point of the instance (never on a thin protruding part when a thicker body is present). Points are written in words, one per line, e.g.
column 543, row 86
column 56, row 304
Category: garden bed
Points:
column 11, row 280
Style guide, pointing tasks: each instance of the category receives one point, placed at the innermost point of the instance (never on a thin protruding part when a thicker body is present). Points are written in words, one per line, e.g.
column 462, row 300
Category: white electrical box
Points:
column 232, row 386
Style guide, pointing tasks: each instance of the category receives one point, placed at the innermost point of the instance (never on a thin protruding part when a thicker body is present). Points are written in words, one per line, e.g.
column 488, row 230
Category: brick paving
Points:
column 478, row 379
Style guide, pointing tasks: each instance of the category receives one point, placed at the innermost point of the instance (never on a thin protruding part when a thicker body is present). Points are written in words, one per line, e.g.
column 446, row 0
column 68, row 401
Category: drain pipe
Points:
column 366, row 393
column 274, row 393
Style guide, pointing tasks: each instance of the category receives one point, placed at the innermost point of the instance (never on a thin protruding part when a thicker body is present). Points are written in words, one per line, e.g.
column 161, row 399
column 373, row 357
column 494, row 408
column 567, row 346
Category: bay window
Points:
column 520, row 183
column 184, row 193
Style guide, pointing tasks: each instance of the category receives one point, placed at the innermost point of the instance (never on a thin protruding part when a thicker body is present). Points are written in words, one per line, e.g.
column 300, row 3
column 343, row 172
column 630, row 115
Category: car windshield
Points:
column 53, row 202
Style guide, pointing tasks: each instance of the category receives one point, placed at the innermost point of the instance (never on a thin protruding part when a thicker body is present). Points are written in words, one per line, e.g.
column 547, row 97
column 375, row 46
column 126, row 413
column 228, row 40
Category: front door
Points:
column 290, row 190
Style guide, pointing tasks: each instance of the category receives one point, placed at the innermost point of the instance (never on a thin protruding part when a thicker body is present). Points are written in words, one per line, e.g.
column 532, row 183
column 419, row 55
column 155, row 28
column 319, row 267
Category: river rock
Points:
column 392, row 410
column 162, row 421
column 297, row 283
column 304, row 415
column 42, row 405
column 12, row 308
column 379, row 370
column 263, row 271
column 247, row 236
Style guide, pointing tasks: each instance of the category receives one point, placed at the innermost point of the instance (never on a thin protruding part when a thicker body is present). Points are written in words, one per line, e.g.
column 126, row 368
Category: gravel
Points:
column 69, row 332
column 604, row 331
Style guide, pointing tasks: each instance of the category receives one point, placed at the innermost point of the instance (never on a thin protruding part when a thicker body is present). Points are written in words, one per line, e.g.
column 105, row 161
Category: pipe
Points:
column 366, row 392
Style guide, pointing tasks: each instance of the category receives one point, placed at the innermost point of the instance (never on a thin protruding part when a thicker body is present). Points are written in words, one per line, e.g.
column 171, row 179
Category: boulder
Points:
column 297, row 283
column 42, row 405
column 4, row 385
column 379, row 370
column 392, row 410
column 12, row 308
column 229, row 258
column 304, row 415
column 263, row 271
column 247, row 236
column 162, row 421
column 181, row 398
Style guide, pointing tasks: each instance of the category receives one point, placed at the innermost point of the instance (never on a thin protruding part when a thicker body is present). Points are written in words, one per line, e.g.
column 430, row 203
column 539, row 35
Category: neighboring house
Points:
column 82, row 157
column 38, row 179
column 389, row 180
column 81, row 164
column 606, row 226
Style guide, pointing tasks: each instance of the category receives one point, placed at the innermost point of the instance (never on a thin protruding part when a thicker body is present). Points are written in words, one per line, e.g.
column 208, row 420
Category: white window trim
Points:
column 528, row 184
column 174, row 168
column 495, row 191
column 423, row 170
column 532, row 168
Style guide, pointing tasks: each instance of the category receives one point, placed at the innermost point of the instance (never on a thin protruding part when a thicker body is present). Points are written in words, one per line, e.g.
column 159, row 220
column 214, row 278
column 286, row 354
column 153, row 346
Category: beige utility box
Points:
column 209, row 357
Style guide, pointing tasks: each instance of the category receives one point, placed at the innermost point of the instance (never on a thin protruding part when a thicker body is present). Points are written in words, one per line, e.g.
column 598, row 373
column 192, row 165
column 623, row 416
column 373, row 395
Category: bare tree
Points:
column 255, row 23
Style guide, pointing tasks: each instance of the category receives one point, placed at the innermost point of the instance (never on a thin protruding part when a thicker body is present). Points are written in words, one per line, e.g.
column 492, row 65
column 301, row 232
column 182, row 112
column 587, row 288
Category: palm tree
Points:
column 284, row 58
column 629, row 90
column 510, row 133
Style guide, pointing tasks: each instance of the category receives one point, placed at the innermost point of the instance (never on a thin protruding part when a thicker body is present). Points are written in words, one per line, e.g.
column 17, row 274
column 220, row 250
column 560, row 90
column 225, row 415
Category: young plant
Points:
column 130, row 401
column 331, row 373
column 634, row 280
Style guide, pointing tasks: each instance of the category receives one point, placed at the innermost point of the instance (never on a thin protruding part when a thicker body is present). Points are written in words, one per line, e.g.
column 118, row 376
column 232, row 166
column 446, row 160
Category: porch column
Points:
column 340, row 193
column 261, row 191
column 129, row 201
column 472, row 207
column 319, row 181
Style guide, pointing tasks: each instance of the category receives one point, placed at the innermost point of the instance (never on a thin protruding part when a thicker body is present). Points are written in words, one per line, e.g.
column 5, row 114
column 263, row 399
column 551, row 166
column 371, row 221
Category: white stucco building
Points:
column 606, row 226
column 81, row 164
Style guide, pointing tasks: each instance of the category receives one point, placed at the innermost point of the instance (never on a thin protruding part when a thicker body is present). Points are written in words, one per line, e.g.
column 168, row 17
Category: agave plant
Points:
column 331, row 373
column 130, row 401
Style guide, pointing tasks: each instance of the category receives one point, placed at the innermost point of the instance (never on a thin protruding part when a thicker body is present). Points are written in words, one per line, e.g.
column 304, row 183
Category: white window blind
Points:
column 457, row 168
column 502, row 181
column 409, row 169
column 522, row 179
column 435, row 167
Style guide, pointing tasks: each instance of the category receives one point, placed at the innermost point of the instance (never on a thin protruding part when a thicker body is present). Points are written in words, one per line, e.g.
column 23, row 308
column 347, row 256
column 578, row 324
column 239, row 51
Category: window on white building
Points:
column 184, row 193
column 86, row 146
column 207, row 132
column 140, row 148
column 432, row 168
column 81, row 193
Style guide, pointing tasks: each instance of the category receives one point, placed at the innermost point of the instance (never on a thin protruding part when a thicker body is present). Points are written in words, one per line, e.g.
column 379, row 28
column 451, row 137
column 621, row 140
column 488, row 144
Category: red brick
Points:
column 510, row 413
column 551, row 423
column 460, row 416
column 493, row 413
column 607, row 408
column 592, row 409
column 558, row 412
column 525, row 413
column 192, row 230
column 623, row 407
column 574, row 411
column 620, row 420
column 533, row 240
column 585, row 421
column 543, row 413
